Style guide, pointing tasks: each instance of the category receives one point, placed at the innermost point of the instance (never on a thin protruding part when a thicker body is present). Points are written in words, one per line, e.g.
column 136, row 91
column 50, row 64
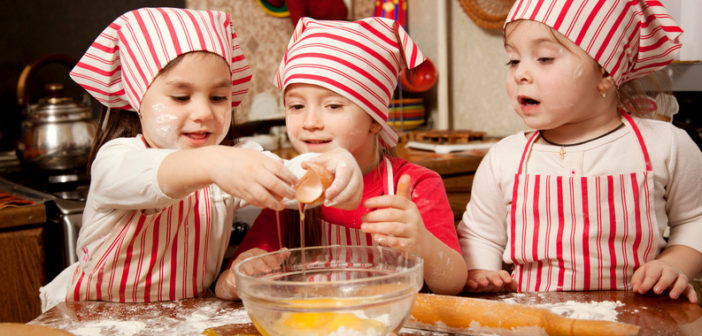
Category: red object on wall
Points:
column 317, row 9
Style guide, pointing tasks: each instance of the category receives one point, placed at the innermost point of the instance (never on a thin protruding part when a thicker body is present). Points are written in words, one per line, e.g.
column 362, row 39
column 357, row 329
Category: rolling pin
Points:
column 461, row 313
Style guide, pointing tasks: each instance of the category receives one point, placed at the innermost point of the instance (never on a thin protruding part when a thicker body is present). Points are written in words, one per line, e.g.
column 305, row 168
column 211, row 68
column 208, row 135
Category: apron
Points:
column 333, row 234
column 572, row 233
column 156, row 255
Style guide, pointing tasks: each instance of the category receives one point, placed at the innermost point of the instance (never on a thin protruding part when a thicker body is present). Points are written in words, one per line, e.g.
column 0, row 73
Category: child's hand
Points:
column 660, row 276
column 396, row 221
column 253, row 176
column 346, row 191
column 226, row 284
column 480, row 281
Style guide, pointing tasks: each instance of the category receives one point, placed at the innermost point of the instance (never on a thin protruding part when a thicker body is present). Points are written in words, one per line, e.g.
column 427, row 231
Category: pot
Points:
column 57, row 132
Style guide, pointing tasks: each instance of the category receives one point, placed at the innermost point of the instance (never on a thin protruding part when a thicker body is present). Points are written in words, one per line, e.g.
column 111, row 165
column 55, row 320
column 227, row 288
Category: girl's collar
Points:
column 144, row 141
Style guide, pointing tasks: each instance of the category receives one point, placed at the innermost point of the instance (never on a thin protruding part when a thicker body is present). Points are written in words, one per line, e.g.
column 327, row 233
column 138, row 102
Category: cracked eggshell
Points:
column 311, row 187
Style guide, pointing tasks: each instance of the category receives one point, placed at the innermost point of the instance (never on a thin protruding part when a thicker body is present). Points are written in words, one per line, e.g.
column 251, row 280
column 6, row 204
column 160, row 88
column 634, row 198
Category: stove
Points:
column 63, row 194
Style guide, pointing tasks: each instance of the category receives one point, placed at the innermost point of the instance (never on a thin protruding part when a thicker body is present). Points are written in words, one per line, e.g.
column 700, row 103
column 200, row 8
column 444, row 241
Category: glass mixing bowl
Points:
column 331, row 290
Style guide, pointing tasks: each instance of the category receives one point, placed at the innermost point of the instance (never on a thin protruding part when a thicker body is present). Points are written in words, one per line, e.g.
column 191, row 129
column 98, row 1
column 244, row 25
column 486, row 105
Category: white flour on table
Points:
column 593, row 310
column 192, row 321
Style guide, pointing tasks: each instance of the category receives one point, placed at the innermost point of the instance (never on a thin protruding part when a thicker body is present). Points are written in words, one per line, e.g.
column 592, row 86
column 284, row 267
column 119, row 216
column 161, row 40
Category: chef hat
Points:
column 358, row 60
column 125, row 58
column 629, row 39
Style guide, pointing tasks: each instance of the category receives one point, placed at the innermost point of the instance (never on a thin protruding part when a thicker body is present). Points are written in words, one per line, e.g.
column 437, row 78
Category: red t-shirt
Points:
column 428, row 194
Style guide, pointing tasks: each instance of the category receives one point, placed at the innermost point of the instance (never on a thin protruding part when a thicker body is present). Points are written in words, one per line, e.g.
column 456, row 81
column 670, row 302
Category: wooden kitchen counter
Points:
column 22, row 255
column 656, row 315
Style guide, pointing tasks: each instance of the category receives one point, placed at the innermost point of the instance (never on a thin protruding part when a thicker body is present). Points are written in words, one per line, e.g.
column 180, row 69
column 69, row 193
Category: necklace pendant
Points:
column 562, row 153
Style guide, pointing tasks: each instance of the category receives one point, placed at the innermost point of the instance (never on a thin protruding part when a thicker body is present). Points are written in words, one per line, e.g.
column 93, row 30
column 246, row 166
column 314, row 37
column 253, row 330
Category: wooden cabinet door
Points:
column 21, row 274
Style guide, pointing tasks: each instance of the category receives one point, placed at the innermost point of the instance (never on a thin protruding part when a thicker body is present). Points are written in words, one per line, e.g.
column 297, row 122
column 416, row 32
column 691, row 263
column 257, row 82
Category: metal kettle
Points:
column 56, row 132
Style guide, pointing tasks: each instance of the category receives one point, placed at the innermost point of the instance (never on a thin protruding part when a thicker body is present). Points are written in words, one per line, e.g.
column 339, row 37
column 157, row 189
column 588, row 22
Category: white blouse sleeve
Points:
column 482, row 232
column 124, row 176
column 684, row 192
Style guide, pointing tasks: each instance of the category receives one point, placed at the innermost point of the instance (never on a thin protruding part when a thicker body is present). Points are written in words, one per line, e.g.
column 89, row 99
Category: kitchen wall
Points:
column 34, row 28
column 263, row 39
column 478, row 71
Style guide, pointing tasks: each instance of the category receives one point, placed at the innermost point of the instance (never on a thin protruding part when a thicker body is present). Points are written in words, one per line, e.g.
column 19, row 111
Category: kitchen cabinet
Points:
column 456, row 170
column 22, row 261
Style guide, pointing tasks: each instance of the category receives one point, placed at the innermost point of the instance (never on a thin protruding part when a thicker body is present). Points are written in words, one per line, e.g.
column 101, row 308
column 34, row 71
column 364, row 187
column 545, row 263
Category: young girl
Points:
column 582, row 202
column 160, row 207
column 337, row 78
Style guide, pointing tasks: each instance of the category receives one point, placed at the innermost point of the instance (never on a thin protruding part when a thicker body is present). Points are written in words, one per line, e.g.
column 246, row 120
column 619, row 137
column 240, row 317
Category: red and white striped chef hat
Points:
column 359, row 60
column 628, row 38
column 125, row 58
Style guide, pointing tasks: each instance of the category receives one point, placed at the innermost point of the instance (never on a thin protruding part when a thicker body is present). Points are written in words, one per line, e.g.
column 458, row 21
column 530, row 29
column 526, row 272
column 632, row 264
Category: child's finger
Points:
column 647, row 282
column 679, row 287
column 387, row 201
column 403, row 186
column 471, row 284
column 666, row 280
column 385, row 228
column 513, row 286
column 691, row 294
column 271, row 262
column 506, row 278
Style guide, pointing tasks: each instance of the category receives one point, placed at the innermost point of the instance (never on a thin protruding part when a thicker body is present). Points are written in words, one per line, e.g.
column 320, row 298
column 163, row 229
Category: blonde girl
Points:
column 582, row 202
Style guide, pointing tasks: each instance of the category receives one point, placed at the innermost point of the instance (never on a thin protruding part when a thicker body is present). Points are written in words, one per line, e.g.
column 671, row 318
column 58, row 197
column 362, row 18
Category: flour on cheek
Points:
column 163, row 128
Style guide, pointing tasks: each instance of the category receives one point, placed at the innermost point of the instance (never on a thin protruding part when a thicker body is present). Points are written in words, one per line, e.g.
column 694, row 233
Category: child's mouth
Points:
column 197, row 138
column 316, row 142
column 524, row 100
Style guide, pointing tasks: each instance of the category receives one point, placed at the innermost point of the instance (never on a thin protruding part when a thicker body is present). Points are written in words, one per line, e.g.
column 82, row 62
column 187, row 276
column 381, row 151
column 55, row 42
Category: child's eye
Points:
column 296, row 107
column 512, row 63
column 180, row 99
column 545, row 60
column 219, row 99
column 334, row 106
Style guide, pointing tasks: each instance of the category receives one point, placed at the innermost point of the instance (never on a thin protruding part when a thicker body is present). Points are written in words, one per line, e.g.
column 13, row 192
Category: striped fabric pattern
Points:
column 153, row 257
column 121, row 63
column 360, row 60
column 628, row 38
column 581, row 232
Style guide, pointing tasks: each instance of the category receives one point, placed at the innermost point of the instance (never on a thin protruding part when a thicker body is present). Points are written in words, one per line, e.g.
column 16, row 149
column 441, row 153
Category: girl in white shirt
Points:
column 159, row 211
column 582, row 202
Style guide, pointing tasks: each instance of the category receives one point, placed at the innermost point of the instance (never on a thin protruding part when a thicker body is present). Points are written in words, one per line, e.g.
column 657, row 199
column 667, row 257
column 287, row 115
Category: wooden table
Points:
column 656, row 315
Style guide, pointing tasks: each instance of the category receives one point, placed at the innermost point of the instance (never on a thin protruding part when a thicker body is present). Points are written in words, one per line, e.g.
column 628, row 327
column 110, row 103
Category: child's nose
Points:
column 313, row 118
column 203, row 111
column 522, row 74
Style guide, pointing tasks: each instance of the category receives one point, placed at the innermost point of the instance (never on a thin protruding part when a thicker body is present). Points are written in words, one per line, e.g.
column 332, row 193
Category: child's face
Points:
column 189, row 105
column 551, row 82
column 318, row 119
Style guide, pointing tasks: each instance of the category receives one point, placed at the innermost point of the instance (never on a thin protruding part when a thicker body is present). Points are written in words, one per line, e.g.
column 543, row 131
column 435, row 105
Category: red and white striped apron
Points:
column 158, row 254
column 334, row 234
column 581, row 232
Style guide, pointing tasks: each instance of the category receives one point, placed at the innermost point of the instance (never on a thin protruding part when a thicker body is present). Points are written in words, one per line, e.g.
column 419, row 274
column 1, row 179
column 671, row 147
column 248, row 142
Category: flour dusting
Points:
column 172, row 318
column 593, row 310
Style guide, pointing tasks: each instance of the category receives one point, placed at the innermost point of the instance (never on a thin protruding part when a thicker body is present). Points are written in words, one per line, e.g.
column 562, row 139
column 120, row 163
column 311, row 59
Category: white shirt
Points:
column 676, row 164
